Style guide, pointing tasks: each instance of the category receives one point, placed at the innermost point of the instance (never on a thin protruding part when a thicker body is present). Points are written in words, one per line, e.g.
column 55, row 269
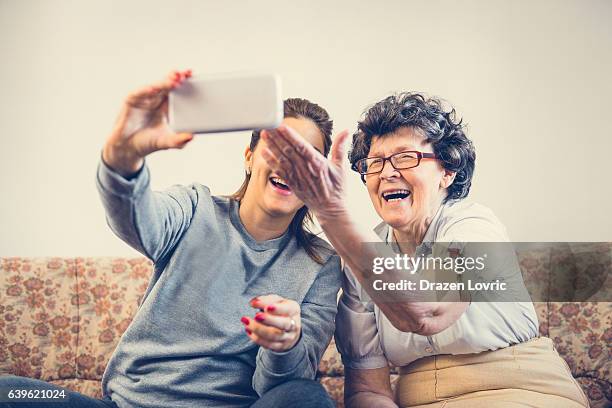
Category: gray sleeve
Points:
column 318, row 314
column 357, row 336
column 150, row 222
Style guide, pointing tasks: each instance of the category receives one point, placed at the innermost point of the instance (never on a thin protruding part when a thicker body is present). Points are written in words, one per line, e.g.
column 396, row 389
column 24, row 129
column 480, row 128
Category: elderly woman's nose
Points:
column 388, row 170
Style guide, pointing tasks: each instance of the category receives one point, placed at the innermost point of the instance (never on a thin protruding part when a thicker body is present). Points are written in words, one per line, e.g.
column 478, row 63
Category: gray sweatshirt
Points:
column 186, row 346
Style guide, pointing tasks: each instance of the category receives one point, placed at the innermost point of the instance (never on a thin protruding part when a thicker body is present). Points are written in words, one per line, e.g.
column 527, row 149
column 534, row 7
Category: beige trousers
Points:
column 530, row 374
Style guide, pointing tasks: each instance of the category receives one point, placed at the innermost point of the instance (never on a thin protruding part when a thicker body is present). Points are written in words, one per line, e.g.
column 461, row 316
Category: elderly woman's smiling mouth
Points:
column 396, row 195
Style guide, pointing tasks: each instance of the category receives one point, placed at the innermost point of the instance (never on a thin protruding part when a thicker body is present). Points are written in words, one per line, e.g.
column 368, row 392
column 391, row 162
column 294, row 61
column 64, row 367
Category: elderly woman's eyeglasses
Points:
column 400, row 161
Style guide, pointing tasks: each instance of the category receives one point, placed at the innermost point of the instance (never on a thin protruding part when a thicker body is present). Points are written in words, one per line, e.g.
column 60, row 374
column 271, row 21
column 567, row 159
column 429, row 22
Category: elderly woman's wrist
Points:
column 332, row 217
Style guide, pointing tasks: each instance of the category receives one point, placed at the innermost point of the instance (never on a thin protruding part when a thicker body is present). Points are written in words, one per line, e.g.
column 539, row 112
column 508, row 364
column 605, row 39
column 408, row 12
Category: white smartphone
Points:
column 226, row 102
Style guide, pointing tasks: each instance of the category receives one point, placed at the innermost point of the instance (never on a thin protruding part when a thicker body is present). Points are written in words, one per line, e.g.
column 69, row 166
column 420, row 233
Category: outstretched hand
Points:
column 142, row 127
column 317, row 181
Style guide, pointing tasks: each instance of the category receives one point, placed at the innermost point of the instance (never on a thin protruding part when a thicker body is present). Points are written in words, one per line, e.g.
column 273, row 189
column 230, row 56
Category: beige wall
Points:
column 532, row 79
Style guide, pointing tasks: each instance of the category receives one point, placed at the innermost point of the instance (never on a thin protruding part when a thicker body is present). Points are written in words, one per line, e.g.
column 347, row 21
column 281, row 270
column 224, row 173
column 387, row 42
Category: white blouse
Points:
column 366, row 338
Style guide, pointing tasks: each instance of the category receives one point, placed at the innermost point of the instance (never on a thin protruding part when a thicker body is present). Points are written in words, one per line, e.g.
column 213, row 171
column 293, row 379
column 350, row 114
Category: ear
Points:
column 248, row 160
column 447, row 179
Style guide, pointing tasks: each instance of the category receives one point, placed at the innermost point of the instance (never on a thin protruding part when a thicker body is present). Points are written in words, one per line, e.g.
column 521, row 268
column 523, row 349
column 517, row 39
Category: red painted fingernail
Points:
column 255, row 299
column 248, row 331
column 245, row 320
column 270, row 308
column 259, row 317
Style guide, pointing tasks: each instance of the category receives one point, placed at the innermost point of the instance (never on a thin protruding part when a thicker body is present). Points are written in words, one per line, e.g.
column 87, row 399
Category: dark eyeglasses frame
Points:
column 420, row 156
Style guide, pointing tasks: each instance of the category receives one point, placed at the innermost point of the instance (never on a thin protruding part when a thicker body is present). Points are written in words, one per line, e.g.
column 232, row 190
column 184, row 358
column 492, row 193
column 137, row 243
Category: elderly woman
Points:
column 417, row 164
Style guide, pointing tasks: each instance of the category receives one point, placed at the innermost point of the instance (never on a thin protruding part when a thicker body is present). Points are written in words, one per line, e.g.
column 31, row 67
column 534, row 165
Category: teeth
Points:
column 279, row 180
column 280, row 183
column 388, row 193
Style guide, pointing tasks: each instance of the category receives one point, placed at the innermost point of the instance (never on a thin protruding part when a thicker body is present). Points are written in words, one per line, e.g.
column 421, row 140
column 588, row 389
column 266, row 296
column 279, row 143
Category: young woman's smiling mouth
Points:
column 279, row 185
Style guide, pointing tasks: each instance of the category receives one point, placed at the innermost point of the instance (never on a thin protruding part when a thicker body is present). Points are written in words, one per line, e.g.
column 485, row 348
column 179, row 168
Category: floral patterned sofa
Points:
column 61, row 318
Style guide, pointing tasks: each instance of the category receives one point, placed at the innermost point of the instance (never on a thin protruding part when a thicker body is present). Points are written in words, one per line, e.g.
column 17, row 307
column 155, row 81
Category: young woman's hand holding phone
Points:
column 142, row 126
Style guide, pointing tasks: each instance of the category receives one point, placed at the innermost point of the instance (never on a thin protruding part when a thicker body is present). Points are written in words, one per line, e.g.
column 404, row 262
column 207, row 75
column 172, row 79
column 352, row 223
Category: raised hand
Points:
column 317, row 181
column 142, row 126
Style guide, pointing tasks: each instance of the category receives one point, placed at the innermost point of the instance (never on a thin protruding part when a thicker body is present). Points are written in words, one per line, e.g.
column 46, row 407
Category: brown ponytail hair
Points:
column 302, row 221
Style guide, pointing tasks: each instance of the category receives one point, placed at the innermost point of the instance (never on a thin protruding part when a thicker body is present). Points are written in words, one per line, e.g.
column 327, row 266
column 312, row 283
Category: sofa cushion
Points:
column 535, row 266
column 331, row 363
column 582, row 333
column 599, row 392
column 38, row 317
column 581, row 330
column 109, row 292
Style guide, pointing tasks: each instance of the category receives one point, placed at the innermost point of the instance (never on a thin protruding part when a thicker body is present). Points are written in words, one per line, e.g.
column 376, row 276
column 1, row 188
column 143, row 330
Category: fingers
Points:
column 294, row 146
column 269, row 336
column 176, row 78
column 175, row 141
column 164, row 109
column 275, row 157
column 293, row 172
column 182, row 139
column 287, row 147
column 271, row 333
column 264, row 333
column 297, row 169
column 262, row 330
column 277, row 326
column 147, row 97
column 159, row 89
column 261, row 302
column 277, row 346
column 338, row 148
column 284, row 323
column 276, row 305
column 300, row 153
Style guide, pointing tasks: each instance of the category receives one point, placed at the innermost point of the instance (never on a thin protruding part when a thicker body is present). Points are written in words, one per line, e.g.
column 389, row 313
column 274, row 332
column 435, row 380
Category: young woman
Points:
column 196, row 339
